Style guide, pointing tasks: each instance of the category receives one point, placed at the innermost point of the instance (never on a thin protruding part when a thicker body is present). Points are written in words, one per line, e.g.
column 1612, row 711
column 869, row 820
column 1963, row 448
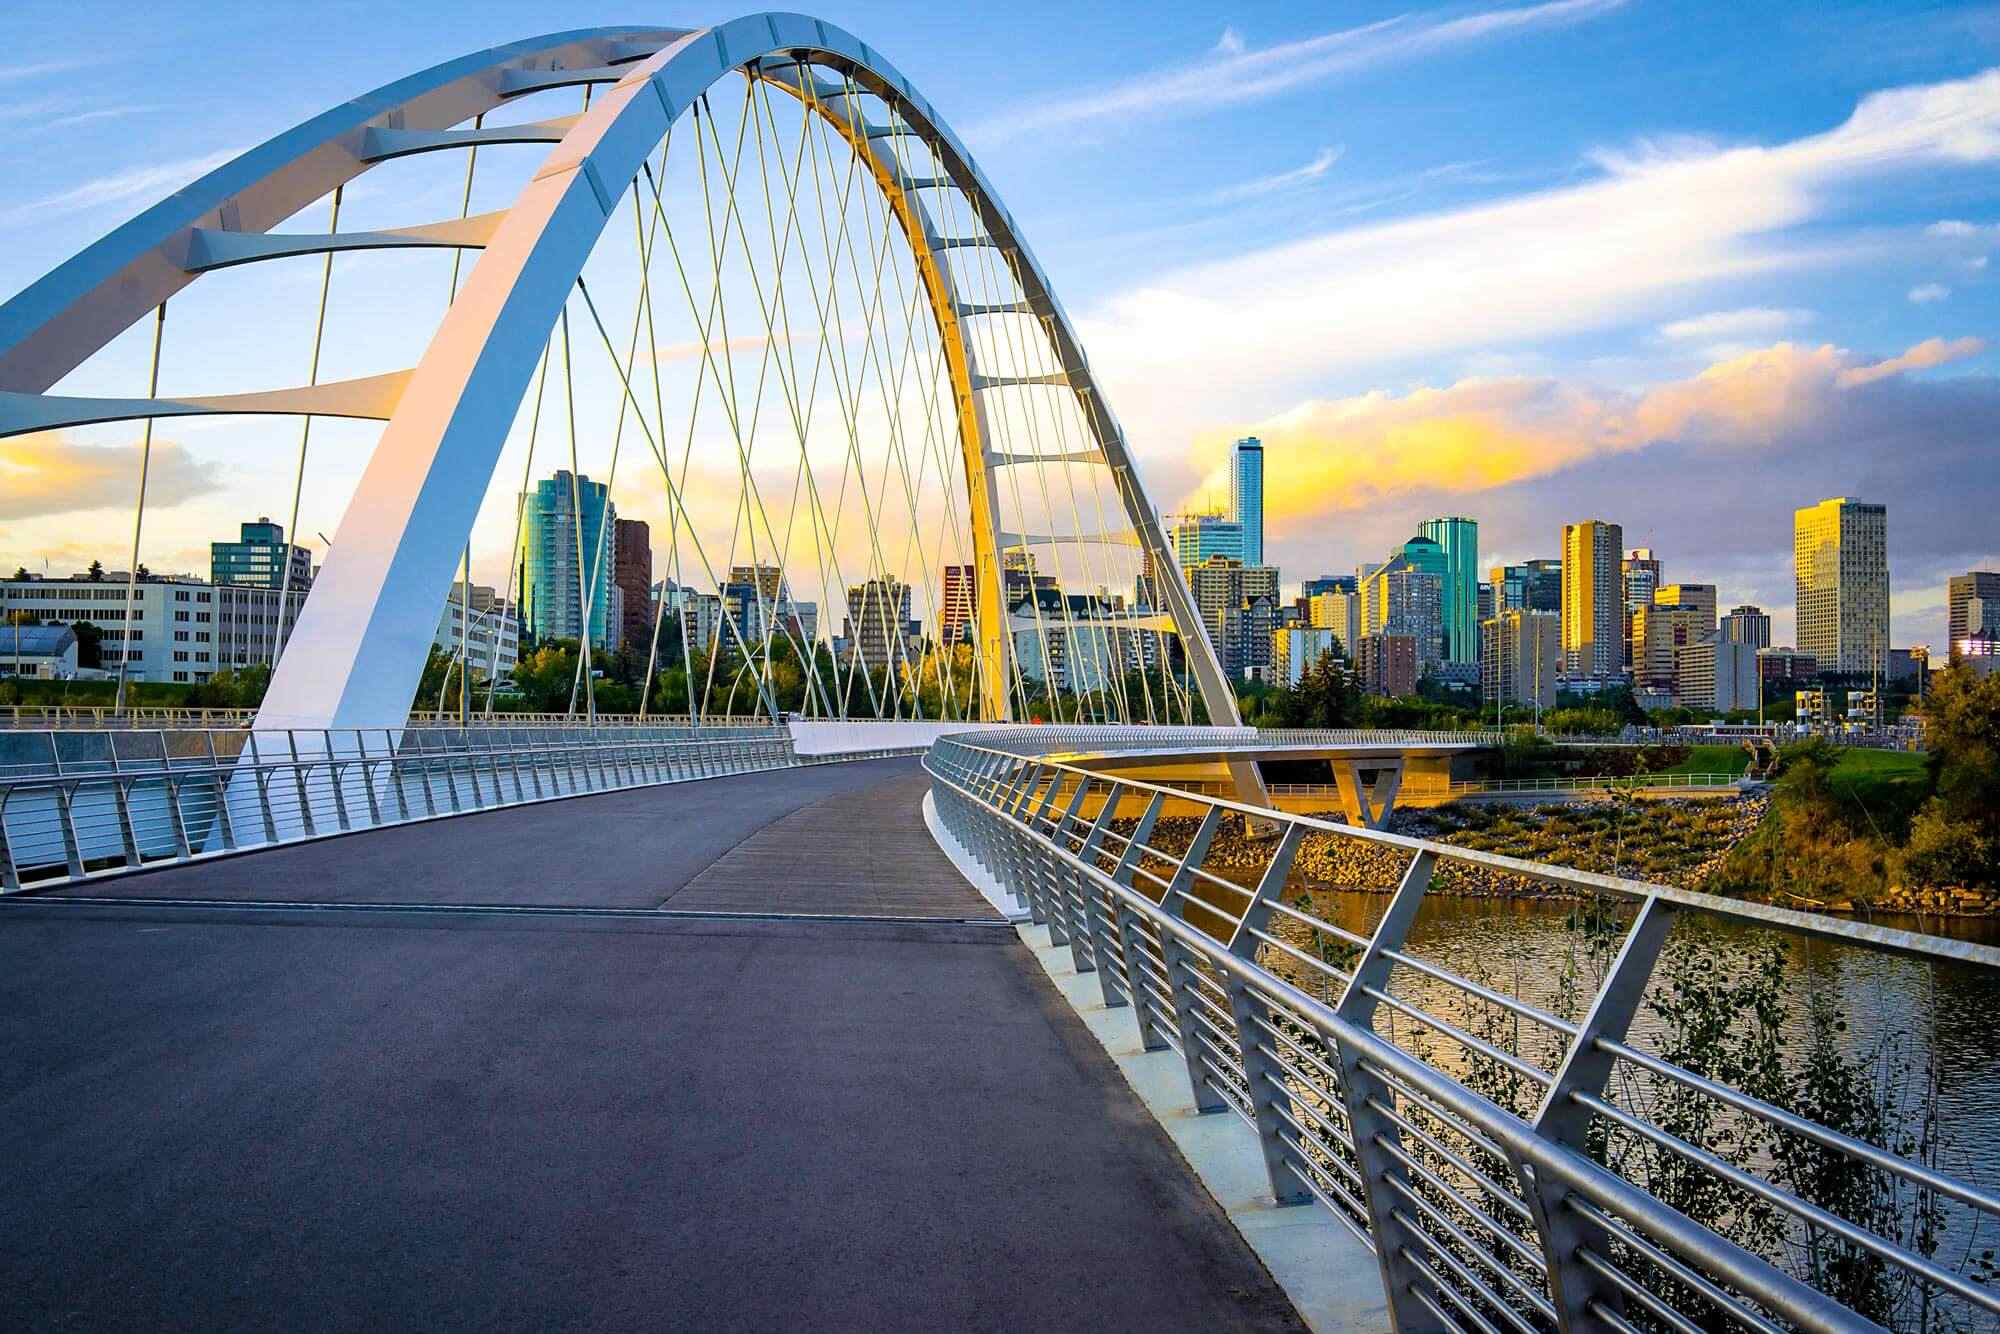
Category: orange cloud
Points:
column 47, row 473
column 1329, row 457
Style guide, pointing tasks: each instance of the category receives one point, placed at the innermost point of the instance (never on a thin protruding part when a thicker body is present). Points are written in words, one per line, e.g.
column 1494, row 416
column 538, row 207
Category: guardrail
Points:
column 1487, row 1155
column 38, row 716
column 113, row 802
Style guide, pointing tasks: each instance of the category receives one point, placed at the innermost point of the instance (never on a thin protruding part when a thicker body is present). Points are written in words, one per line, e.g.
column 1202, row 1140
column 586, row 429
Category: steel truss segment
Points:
column 370, row 398
column 380, row 144
column 212, row 248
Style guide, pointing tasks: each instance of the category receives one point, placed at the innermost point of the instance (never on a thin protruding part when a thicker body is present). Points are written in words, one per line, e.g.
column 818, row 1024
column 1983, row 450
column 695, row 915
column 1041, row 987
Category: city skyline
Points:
column 1810, row 316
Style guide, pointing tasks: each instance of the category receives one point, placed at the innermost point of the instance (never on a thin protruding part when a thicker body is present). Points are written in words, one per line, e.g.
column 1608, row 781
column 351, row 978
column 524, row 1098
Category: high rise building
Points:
column 1339, row 612
column 1198, row 537
column 961, row 605
column 1458, row 542
column 1641, row 571
column 1297, row 649
column 1535, row 586
column 1700, row 596
column 1224, row 591
column 878, row 620
column 484, row 626
column 1521, row 658
column 1716, row 673
column 632, row 567
column 1977, row 591
column 563, row 517
column 1840, row 568
column 258, row 557
column 1747, row 625
column 1246, row 496
column 1328, row 583
column 1659, row 631
column 1387, row 665
column 1593, row 599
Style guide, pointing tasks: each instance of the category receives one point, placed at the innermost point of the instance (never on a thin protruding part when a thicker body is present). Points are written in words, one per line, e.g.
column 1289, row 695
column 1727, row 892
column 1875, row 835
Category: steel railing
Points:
column 1480, row 1144
column 38, row 716
column 77, row 806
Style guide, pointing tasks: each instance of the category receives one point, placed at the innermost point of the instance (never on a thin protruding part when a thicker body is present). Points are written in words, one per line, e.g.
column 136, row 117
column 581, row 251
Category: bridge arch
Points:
column 361, row 640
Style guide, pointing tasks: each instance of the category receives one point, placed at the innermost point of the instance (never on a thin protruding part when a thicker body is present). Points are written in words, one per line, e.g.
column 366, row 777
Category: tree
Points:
column 89, row 644
column 20, row 572
column 97, row 572
column 1955, row 837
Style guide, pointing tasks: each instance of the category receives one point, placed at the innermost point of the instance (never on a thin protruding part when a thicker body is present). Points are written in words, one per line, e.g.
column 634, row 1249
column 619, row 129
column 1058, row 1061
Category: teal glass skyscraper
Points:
column 552, row 597
column 1246, row 495
column 1458, row 540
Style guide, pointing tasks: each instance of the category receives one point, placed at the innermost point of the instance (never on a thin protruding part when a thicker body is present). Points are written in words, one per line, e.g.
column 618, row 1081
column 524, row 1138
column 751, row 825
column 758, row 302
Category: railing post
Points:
column 1070, row 882
column 1179, row 960
column 72, row 846
column 121, row 798
column 177, row 820
column 1586, row 1068
column 1264, row 1078
column 223, row 825
column 1143, row 1000
column 1369, row 1128
column 1110, row 985
column 334, row 775
column 299, row 782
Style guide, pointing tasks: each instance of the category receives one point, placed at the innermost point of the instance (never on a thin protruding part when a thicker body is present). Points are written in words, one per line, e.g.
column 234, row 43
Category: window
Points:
column 180, row 676
column 180, row 655
column 180, row 616
column 201, row 636
column 180, row 595
column 204, row 616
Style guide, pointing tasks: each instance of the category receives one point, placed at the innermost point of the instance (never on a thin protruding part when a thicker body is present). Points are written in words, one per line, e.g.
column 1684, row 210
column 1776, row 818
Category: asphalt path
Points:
column 283, row 1117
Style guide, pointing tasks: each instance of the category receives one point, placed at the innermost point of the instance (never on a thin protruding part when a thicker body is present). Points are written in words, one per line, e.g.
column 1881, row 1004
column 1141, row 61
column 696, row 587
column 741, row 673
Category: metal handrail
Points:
column 111, row 815
column 1381, row 1111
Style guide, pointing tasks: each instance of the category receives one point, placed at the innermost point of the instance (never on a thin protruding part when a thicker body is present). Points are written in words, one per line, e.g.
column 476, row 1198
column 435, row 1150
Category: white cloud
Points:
column 1752, row 321
column 10, row 73
column 1925, row 293
column 1242, row 75
column 143, row 182
column 1239, row 337
column 1321, row 162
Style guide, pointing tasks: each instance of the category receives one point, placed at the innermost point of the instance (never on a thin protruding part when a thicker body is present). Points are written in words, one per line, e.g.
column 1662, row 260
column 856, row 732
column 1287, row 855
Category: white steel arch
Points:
column 362, row 639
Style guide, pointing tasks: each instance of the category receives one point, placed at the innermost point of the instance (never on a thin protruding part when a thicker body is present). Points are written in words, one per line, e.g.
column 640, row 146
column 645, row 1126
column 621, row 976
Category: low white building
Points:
column 46, row 652
column 180, row 628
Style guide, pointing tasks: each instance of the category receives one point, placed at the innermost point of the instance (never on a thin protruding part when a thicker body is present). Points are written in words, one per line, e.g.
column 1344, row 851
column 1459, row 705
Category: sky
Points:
column 1680, row 266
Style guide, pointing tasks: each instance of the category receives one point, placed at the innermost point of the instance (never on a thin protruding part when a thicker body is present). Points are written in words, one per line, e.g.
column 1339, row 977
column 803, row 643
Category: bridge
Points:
column 968, row 966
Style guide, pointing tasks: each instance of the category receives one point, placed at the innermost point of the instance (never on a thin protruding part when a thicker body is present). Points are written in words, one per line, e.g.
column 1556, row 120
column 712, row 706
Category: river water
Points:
column 1901, row 1012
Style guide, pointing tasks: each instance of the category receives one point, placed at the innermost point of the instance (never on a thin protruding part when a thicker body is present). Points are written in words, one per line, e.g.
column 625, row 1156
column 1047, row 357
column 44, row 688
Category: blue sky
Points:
column 1679, row 266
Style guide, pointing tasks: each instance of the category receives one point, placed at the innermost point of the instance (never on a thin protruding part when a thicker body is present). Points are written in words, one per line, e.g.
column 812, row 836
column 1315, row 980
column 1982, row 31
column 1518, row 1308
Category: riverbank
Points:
column 1675, row 842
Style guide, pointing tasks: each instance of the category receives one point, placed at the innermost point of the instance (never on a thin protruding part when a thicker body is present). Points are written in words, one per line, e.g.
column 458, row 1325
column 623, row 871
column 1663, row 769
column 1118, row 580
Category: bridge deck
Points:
column 281, row 1115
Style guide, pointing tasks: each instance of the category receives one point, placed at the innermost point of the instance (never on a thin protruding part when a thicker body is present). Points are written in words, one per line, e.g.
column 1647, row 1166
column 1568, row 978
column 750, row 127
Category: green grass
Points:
column 1895, row 778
